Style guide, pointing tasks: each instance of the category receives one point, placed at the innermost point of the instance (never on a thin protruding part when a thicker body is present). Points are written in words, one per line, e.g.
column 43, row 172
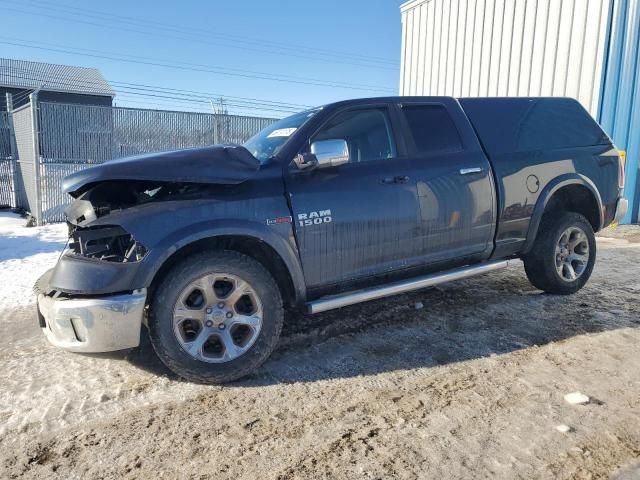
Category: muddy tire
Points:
column 215, row 317
column 563, row 254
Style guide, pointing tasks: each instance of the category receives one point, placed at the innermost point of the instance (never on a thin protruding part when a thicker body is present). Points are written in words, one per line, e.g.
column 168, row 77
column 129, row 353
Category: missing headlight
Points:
column 108, row 243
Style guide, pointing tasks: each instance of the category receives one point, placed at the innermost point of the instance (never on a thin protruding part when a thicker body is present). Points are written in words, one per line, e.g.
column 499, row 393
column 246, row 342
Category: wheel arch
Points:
column 570, row 192
column 273, row 251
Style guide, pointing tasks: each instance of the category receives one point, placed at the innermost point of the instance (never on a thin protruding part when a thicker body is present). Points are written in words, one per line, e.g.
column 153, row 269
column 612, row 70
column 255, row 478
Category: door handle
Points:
column 471, row 170
column 396, row 179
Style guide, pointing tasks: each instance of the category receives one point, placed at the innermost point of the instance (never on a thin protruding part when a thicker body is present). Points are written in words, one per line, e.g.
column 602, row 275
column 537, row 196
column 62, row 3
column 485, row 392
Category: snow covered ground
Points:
column 25, row 254
column 33, row 396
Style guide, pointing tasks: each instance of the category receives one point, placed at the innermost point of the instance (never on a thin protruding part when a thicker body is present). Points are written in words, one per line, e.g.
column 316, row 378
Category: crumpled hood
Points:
column 221, row 164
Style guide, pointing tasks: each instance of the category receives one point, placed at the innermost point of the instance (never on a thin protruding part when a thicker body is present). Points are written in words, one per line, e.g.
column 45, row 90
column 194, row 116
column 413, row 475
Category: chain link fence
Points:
column 73, row 137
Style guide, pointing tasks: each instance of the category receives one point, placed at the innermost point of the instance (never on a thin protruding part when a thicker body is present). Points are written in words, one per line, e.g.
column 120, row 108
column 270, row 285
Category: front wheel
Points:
column 215, row 317
column 563, row 256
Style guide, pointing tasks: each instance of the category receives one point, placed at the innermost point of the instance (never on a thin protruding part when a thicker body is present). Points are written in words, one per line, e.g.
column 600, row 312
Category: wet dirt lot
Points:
column 471, row 385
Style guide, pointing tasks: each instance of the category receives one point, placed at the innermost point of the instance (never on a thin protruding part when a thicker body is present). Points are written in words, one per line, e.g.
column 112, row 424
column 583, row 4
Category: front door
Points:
column 361, row 218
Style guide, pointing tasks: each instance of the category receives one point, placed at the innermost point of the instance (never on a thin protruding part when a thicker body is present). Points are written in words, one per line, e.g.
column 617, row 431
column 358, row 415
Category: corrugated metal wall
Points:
column 504, row 48
column 620, row 105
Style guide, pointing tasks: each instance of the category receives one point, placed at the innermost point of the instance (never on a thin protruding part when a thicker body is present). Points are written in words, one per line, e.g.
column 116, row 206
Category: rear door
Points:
column 454, row 181
column 361, row 218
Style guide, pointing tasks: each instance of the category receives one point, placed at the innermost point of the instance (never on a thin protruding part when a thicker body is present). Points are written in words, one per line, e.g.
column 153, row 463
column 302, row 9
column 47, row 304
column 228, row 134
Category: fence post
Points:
column 12, row 138
column 33, row 98
column 13, row 148
column 216, row 136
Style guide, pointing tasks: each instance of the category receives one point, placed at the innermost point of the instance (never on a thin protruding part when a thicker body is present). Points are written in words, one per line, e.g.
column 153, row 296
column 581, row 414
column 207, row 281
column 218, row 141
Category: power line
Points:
column 205, row 101
column 182, row 106
column 190, row 29
column 308, row 55
column 188, row 66
column 159, row 92
column 201, row 101
column 21, row 96
column 73, row 82
column 199, row 32
column 187, row 107
column 211, row 95
column 162, row 96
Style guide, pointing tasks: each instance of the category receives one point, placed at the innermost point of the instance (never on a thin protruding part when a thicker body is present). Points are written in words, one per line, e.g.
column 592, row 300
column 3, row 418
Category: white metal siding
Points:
column 471, row 48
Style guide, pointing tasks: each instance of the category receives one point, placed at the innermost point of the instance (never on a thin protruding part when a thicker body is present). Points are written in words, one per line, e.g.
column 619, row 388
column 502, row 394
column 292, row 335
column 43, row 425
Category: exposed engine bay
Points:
column 113, row 243
column 106, row 197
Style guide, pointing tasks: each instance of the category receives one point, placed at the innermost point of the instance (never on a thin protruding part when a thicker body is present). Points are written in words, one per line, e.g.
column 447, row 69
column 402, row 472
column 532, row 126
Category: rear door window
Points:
column 432, row 129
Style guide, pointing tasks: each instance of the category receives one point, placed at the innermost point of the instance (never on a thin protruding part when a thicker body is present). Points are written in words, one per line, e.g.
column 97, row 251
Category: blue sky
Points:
column 355, row 43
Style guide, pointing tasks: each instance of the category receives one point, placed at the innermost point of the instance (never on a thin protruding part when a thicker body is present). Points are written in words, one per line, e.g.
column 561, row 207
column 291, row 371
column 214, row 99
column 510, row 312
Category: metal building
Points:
column 586, row 49
column 54, row 83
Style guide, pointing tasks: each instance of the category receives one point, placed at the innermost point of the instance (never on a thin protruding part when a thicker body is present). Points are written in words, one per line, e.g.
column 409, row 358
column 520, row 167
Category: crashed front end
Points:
column 86, row 302
column 94, row 299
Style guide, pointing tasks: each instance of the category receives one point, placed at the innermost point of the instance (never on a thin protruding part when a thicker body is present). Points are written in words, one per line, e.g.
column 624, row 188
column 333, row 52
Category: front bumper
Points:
column 93, row 325
column 622, row 206
column 76, row 274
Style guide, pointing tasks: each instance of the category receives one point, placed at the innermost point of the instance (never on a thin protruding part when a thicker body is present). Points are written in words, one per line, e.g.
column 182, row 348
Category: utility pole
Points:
column 218, row 111
column 218, row 106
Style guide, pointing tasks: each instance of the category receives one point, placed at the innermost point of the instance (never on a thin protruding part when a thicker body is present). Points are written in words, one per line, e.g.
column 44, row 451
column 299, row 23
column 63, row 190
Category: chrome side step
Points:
column 344, row 299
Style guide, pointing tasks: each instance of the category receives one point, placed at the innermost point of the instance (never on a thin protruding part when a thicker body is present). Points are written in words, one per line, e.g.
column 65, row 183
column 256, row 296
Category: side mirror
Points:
column 330, row 153
column 324, row 153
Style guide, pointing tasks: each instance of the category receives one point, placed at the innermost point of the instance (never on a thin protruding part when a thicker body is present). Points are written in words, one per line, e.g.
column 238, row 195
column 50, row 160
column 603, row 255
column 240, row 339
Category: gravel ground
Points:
column 469, row 386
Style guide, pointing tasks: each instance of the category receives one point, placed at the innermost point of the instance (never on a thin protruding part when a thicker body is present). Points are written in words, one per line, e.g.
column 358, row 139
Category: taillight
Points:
column 621, row 159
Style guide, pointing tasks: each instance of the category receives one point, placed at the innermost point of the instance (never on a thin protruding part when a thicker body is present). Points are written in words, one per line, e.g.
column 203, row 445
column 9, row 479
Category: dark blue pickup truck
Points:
column 336, row 205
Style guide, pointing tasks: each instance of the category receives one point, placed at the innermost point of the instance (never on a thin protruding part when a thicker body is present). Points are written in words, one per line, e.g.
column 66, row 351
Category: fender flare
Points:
column 209, row 230
column 548, row 191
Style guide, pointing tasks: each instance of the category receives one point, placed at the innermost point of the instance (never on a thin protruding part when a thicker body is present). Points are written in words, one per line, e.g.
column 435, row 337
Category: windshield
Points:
column 268, row 142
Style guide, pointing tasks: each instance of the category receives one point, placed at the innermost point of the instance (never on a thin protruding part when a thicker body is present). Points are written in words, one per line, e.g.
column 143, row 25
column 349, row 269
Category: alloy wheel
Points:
column 572, row 254
column 217, row 317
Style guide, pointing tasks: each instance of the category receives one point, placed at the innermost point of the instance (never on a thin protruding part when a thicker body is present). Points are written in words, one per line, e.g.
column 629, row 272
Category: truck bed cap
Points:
column 521, row 124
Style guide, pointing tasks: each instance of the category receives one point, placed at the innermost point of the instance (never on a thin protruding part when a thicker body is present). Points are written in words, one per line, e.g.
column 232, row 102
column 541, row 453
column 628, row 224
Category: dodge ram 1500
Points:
column 336, row 205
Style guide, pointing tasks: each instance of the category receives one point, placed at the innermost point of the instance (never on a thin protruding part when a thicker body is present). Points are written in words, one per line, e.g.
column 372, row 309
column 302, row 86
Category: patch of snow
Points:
column 25, row 254
column 576, row 398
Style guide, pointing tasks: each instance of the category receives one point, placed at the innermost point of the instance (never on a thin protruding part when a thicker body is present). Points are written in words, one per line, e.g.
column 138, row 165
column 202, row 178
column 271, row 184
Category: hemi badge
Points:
column 278, row 220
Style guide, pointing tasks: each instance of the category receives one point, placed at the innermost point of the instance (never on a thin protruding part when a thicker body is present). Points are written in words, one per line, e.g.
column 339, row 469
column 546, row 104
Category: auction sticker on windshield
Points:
column 281, row 132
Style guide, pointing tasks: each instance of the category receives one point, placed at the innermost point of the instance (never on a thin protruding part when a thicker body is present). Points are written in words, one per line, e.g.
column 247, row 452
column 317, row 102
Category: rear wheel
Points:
column 216, row 317
column 563, row 255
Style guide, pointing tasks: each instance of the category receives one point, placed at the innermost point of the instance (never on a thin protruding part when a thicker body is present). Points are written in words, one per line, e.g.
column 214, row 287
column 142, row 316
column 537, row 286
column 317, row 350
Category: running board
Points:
column 344, row 299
